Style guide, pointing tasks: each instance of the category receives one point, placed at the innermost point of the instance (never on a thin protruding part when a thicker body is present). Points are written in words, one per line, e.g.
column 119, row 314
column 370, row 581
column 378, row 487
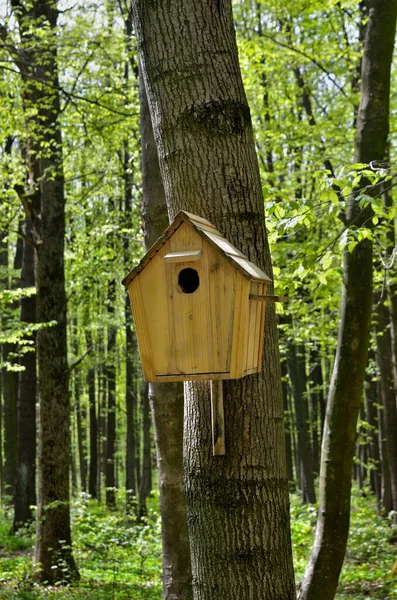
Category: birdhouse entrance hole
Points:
column 188, row 280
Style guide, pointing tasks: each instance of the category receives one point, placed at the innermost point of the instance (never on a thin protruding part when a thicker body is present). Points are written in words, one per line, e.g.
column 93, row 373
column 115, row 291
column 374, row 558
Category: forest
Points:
column 235, row 441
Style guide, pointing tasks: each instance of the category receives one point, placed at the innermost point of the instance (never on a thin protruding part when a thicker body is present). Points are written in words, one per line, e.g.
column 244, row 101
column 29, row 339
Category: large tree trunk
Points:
column 237, row 504
column 25, row 483
column 346, row 389
column 166, row 399
column 45, row 205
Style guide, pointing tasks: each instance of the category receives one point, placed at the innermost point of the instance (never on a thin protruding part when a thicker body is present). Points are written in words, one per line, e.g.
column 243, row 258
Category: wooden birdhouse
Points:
column 198, row 306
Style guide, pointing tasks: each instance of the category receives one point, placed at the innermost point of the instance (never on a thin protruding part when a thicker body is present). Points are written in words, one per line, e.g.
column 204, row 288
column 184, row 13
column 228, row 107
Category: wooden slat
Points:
column 142, row 334
column 185, row 256
column 240, row 327
column 192, row 377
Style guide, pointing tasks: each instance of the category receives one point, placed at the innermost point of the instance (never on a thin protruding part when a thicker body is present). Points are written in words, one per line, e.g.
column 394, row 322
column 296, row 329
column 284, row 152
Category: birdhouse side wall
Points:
column 253, row 358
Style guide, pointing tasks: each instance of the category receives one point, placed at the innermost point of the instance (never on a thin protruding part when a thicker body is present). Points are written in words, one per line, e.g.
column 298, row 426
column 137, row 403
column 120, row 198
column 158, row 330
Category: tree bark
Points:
column 45, row 205
column 238, row 504
column 10, row 396
column 346, row 388
column 166, row 399
column 25, row 483
column 145, row 481
column 296, row 369
column 384, row 360
column 93, row 462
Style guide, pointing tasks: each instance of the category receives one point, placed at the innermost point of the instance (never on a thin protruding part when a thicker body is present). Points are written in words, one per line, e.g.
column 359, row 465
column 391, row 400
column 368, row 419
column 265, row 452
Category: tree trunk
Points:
column 288, row 425
column 45, row 205
column 145, row 482
column 237, row 504
column 10, row 395
column 384, row 361
column 346, row 388
column 374, row 455
column 110, row 472
column 25, row 483
column 130, row 401
column 81, row 432
column 166, row 399
column 94, row 442
column 296, row 369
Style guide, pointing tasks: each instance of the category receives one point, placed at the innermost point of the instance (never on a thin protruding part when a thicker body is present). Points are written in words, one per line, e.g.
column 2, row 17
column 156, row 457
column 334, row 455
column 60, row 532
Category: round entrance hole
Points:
column 188, row 280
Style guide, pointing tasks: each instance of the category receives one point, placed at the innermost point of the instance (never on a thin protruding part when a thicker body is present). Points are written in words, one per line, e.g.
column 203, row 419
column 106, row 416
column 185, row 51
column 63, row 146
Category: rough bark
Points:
column 346, row 388
column 44, row 204
column 238, row 504
column 25, row 483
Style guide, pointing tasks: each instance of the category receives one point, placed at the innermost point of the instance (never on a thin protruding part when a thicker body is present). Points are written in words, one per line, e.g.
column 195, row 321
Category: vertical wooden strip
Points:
column 217, row 418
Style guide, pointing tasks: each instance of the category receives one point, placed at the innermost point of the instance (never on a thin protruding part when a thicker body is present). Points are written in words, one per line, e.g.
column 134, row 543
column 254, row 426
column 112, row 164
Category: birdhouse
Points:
column 198, row 306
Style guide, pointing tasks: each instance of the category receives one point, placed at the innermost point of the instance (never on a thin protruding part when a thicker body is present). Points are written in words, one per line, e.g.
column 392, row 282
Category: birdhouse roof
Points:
column 209, row 232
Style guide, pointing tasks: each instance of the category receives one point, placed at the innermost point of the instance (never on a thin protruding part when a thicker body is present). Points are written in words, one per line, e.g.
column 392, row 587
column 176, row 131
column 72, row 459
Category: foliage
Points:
column 371, row 548
column 118, row 558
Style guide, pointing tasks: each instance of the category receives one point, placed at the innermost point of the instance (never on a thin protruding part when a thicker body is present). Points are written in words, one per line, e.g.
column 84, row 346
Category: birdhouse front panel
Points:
column 193, row 301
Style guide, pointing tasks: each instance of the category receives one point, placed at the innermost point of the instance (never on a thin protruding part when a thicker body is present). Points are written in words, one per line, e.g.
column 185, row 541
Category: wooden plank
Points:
column 142, row 334
column 217, row 419
column 261, row 328
column 191, row 377
column 185, row 256
column 183, row 214
column 240, row 327
column 153, row 288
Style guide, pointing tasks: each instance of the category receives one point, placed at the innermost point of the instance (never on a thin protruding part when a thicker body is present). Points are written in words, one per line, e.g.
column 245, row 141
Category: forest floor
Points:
column 120, row 560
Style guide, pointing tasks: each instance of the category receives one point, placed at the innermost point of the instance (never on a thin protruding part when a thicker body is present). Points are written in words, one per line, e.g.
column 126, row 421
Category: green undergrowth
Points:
column 371, row 552
column 120, row 559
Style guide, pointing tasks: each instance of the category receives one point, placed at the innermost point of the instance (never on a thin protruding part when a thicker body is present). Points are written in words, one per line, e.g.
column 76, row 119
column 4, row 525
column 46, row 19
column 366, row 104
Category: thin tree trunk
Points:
column 131, row 353
column 237, row 504
column 93, row 462
column 374, row 456
column 384, row 361
column 81, row 432
column 110, row 469
column 346, row 388
column 296, row 369
column 144, row 484
column 10, row 395
column 287, row 427
column 25, row 483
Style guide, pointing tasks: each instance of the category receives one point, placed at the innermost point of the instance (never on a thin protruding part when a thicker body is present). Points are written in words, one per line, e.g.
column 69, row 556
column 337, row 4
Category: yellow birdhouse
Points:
column 198, row 306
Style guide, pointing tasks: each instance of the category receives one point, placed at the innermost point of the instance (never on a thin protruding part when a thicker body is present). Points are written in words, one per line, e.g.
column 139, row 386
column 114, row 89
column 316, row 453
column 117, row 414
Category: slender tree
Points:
column 25, row 483
column 44, row 204
column 346, row 388
column 237, row 505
